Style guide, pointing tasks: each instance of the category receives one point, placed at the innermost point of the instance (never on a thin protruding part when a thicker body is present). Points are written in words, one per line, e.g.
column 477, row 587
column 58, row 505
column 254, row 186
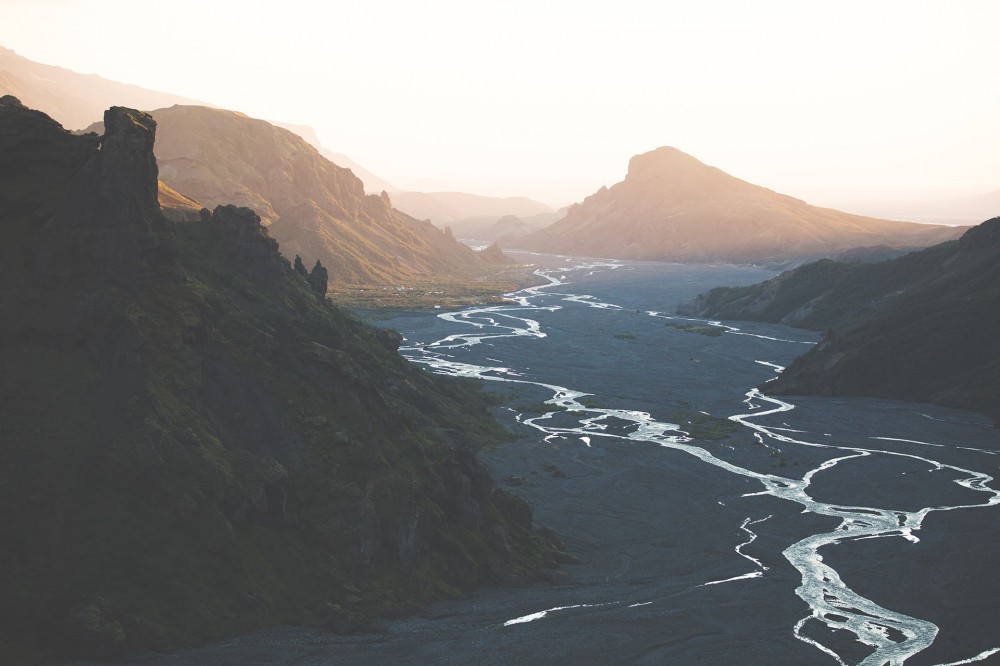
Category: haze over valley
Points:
column 444, row 333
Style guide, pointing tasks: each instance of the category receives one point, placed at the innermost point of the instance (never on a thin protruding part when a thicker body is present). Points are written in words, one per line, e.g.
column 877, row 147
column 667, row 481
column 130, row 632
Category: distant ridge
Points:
column 373, row 184
column 444, row 208
column 78, row 101
column 72, row 99
column 672, row 207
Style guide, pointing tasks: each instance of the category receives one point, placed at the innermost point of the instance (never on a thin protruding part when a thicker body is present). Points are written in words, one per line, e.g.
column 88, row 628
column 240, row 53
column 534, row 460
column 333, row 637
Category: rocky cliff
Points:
column 313, row 207
column 195, row 445
column 672, row 207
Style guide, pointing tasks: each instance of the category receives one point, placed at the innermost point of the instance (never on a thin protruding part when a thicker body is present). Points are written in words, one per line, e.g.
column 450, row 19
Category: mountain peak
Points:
column 661, row 160
column 673, row 207
column 677, row 175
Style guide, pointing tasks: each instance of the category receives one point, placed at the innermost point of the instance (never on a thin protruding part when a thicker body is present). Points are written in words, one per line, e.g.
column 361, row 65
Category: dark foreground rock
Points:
column 194, row 445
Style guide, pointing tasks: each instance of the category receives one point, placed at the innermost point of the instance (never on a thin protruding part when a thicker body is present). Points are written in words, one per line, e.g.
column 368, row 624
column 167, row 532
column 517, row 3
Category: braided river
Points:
column 714, row 523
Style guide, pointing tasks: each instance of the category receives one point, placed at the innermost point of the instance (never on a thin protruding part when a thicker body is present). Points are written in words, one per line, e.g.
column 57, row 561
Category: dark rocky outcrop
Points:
column 299, row 267
column 319, row 279
column 193, row 444
column 672, row 207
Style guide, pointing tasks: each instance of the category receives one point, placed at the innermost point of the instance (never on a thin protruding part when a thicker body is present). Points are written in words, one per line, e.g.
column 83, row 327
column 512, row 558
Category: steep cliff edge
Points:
column 194, row 445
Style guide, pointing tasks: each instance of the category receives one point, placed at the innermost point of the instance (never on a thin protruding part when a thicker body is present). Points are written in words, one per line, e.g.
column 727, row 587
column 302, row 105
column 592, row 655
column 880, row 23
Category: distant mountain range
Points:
column 672, row 207
column 920, row 327
column 448, row 208
column 313, row 207
column 948, row 209
column 505, row 230
column 78, row 101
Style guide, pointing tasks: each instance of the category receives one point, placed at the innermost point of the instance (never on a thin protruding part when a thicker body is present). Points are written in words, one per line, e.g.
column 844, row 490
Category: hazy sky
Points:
column 832, row 102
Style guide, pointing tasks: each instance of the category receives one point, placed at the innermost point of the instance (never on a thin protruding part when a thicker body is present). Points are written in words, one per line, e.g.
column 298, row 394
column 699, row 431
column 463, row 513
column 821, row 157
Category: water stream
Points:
column 714, row 523
column 891, row 637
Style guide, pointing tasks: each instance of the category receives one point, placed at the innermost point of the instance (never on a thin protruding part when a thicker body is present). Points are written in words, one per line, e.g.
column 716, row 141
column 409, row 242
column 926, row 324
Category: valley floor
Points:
column 685, row 519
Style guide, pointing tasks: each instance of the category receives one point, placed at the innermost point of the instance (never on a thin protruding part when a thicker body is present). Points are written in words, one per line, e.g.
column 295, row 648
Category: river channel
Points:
column 714, row 524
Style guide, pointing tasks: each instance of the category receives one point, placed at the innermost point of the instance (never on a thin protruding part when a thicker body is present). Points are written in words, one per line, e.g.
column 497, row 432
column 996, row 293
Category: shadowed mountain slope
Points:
column 313, row 207
column 78, row 100
column 920, row 327
column 671, row 207
column 194, row 442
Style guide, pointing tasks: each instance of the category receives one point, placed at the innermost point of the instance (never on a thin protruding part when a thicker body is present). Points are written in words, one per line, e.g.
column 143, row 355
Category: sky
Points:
column 838, row 103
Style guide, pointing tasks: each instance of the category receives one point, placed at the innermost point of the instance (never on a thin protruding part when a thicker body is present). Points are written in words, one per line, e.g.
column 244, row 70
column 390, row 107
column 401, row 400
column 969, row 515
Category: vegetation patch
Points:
column 700, row 425
column 592, row 403
column 554, row 471
column 710, row 331
column 435, row 292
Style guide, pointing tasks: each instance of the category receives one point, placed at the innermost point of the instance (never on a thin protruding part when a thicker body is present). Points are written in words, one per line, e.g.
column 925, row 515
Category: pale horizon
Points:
column 854, row 105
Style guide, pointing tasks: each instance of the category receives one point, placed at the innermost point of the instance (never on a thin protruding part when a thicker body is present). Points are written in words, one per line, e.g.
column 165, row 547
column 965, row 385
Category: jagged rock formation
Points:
column 920, row 327
column 313, row 207
column 318, row 279
column 671, row 207
column 193, row 444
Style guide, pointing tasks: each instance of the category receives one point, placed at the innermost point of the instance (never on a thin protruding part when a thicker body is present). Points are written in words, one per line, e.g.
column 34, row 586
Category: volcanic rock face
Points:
column 193, row 444
column 671, row 207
